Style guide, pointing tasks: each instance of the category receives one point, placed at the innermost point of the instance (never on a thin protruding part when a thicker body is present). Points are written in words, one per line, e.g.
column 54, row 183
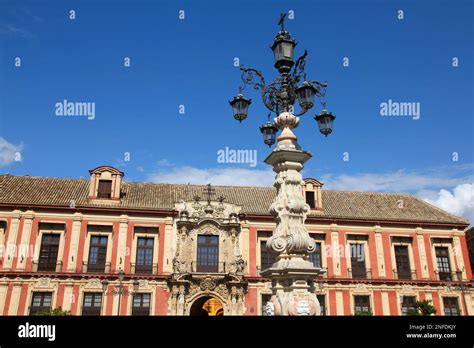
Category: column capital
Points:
column 77, row 217
column 29, row 214
column 124, row 219
column 16, row 214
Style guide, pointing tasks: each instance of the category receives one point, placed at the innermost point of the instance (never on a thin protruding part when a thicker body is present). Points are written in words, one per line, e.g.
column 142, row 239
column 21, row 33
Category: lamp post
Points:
column 119, row 291
column 462, row 287
column 293, row 274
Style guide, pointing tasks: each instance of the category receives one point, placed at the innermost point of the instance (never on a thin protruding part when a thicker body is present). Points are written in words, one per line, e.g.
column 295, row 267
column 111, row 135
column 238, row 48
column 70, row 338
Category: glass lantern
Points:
column 305, row 94
column 325, row 120
column 240, row 106
column 269, row 133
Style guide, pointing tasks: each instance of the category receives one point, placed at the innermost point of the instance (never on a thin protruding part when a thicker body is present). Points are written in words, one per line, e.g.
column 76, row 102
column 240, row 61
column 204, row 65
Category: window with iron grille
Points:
column 310, row 200
column 97, row 254
column 141, row 304
column 92, row 303
column 265, row 299
column 315, row 257
column 358, row 261
column 322, row 303
column 144, row 261
column 442, row 261
column 361, row 304
column 40, row 301
column 48, row 256
column 267, row 258
column 105, row 189
column 451, row 307
column 208, row 253
column 403, row 262
column 408, row 302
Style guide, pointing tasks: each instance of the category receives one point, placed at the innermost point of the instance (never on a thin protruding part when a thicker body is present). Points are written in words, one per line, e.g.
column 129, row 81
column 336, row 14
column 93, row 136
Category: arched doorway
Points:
column 206, row 306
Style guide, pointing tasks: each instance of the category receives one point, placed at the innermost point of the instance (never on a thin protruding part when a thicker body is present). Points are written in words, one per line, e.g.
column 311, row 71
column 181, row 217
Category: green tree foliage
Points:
column 422, row 308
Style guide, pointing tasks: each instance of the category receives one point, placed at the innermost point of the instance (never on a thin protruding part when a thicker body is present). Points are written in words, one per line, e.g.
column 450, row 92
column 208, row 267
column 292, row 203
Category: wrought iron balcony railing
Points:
column 359, row 273
column 404, row 274
column 143, row 269
column 446, row 276
column 218, row 267
column 95, row 267
column 37, row 266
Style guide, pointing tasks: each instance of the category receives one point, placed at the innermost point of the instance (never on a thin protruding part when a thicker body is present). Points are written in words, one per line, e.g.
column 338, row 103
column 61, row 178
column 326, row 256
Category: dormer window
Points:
column 310, row 200
column 105, row 184
column 312, row 193
column 105, row 189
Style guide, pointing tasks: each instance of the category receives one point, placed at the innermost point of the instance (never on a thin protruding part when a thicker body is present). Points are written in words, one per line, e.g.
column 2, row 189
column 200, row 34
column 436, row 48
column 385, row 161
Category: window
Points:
column 144, row 262
column 265, row 299
column 92, row 303
column 358, row 261
column 310, row 199
column 207, row 253
column 40, row 301
column 408, row 302
column 451, row 307
column 97, row 254
column 315, row 257
column 403, row 262
column 322, row 303
column 361, row 304
column 141, row 304
column 48, row 252
column 267, row 258
column 442, row 261
column 105, row 189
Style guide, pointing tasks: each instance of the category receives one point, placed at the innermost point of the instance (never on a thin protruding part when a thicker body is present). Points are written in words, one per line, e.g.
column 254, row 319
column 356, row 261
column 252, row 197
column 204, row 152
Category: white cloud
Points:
column 458, row 202
column 431, row 185
column 164, row 163
column 8, row 152
column 215, row 176
column 401, row 180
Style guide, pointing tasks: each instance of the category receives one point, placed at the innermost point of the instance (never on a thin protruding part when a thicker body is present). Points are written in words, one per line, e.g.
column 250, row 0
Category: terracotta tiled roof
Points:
column 372, row 206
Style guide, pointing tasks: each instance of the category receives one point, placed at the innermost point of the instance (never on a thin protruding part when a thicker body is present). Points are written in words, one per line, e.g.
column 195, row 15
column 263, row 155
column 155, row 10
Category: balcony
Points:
column 95, row 267
column 37, row 266
column 143, row 269
column 219, row 267
column 404, row 274
column 359, row 273
column 447, row 276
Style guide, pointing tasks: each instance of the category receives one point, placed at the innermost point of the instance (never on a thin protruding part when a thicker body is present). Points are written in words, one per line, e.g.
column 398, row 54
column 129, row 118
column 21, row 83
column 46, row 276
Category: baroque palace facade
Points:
column 105, row 247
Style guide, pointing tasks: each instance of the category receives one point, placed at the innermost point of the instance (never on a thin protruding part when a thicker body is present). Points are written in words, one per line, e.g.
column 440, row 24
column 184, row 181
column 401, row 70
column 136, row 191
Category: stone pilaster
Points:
column 11, row 241
column 24, row 247
column 75, row 235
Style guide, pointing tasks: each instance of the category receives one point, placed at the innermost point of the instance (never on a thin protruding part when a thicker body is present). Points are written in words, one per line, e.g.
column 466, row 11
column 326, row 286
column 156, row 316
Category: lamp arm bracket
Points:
column 254, row 77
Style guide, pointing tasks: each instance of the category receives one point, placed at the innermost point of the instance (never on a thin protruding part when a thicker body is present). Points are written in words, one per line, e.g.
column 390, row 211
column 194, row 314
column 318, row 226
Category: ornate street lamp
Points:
column 119, row 291
column 293, row 275
column 283, row 49
column 269, row 132
column 240, row 106
column 305, row 94
column 325, row 120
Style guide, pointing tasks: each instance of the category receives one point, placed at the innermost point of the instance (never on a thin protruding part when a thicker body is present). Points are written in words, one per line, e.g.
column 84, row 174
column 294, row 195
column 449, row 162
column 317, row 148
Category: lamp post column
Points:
column 293, row 274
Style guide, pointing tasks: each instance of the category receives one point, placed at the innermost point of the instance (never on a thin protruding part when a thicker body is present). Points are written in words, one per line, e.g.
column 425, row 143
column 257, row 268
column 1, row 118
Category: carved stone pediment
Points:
column 94, row 283
column 198, row 210
column 361, row 288
column 43, row 283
